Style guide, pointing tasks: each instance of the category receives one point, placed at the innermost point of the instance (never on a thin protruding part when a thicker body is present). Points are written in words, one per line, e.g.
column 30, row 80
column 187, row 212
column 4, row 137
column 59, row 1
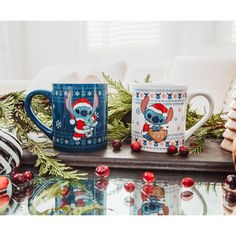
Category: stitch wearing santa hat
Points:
column 80, row 128
column 159, row 108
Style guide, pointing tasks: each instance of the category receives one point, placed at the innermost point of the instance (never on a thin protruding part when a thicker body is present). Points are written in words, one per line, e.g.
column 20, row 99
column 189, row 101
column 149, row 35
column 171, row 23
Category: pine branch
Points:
column 148, row 78
column 117, row 130
column 119, row 110
column 12, row 114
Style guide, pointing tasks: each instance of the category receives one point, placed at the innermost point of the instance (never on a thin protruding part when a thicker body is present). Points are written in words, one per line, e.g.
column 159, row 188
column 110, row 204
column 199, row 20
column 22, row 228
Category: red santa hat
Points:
column 82, row 102
column 159, row 108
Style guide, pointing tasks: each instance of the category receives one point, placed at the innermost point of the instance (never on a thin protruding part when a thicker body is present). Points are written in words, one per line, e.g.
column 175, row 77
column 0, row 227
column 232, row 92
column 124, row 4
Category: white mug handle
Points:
column 191, row 95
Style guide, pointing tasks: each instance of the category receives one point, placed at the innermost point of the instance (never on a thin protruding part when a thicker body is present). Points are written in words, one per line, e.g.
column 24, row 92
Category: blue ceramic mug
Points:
column 79, row 113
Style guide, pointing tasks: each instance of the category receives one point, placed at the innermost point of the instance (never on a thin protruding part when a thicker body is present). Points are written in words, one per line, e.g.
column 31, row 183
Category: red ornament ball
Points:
column 135, row 146
column 102, row 171
column 187, row 182
column 4, row 200
column 129, row 187
column 172, row 149
column 4, row 181
column 183, row 151
column 28, row 175
column 230, row 181
column 116, row 144
column 148, row 177
column 18, row 178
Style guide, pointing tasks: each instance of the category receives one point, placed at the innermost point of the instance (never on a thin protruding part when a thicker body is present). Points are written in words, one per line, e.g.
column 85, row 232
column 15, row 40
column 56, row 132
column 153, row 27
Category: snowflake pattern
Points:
column 77, row 93
column 58, row 124
column 66, row 141
column 99, row 93
column 89, row 93
column 89, row 141
column 77, row 143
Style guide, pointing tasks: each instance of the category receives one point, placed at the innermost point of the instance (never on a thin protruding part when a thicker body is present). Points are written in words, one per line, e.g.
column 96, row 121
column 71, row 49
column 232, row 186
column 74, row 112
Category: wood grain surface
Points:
column 213, row 159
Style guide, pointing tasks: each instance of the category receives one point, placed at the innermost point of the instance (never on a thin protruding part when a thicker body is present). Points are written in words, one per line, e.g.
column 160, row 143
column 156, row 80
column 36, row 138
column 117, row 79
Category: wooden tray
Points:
column 213, row 159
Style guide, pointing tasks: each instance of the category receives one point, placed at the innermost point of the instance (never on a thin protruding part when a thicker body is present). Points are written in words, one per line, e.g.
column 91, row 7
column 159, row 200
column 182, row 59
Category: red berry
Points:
column 183, row 151
column 4, row 181
column 116, row 144
column 102, row 184
column 230, row 199
column 186, row 195
column 129, row 201
column 172, row 149
column 28, row 175
column 102, row 171
column 230, row 181
column 146, row 191
column 187, row 182
column 18, row 178
column 135, row 146
column 129, row 187
column 148, row 177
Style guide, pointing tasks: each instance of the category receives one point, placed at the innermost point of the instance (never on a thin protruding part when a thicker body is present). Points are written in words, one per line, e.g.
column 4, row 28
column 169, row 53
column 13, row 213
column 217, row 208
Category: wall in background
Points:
column 27, row 47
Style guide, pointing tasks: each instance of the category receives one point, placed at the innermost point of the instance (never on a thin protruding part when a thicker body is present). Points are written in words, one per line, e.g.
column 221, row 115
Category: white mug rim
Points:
column 160, row 85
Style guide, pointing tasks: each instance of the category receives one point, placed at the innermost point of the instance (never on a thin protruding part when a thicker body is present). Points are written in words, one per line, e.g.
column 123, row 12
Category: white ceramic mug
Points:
column 159, row 115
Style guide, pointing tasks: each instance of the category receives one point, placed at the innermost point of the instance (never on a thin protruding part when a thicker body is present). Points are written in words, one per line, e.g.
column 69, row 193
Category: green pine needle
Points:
column 13, row 116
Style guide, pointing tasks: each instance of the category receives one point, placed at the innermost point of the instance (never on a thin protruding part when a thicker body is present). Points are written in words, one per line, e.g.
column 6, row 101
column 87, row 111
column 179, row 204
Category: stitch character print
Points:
column 157, row 116
column 83, row 116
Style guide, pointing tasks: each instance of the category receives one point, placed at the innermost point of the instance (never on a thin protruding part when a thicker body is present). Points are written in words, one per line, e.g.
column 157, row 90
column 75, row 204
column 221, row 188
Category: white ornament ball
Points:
column 10, row 152
column 72, row 121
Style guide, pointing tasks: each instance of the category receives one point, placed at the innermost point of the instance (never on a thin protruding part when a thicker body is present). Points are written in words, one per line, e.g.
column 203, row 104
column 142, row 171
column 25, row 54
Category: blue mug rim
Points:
column 71, row 84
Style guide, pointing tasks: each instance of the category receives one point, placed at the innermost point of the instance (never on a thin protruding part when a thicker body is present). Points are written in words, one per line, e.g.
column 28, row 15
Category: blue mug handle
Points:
column 32, row 115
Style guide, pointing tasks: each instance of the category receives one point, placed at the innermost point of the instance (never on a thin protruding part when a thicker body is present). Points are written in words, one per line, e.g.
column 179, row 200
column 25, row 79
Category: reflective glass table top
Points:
column 107, row 196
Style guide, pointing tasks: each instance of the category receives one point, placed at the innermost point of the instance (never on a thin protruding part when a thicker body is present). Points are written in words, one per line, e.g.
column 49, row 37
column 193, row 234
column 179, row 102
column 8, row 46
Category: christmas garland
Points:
column 14, row 117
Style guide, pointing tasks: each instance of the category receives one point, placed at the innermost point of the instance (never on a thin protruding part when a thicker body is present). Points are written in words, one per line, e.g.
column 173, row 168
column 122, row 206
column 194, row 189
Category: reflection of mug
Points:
column 159, row 115
column 166, row 199
column 79, row 116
